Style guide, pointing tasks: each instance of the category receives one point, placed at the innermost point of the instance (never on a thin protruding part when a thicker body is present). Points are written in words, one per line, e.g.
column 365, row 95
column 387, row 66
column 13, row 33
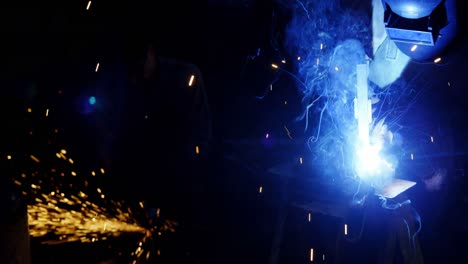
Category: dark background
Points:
column 47, row 47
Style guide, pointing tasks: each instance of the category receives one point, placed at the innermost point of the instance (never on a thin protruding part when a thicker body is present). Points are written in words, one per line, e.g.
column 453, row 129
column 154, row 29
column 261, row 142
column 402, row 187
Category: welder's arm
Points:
column 388, row 61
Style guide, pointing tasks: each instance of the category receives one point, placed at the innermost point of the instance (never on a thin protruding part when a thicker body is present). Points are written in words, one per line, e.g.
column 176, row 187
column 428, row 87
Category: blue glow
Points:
column 92, row 100
column 331, row 47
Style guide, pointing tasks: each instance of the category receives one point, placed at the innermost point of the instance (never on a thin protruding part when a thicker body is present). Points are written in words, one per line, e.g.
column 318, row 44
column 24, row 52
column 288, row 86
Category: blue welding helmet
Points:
column 421, row 29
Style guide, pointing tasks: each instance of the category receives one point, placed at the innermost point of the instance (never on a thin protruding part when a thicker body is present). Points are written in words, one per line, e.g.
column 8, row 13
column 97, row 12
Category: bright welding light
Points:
column 371, row 164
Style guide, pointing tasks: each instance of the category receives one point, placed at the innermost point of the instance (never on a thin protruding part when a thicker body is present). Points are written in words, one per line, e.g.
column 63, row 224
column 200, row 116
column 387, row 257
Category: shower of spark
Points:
column 84, row 215
column 89, row 222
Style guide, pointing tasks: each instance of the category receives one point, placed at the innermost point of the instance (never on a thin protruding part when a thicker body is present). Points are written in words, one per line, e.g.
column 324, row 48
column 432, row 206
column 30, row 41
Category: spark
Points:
column 73, row 173
column 414, row 47
column 274, row 66
column 267, row 135
column 412, row 156
column 310, row 217
column 283, row 61
column 141, row 204
column 192, row 78
column 345, row 229
column 336, row 68
column 34, row 158
column 323, row 257
column 93, row 173
column 71, row 161
column 432, row 139
column 298, row 58
column 8, row 157
column 288, row 132
column 88, row 6
column 47, row 112
column 271, row 87
column 102, row 171
column 437, row 60
column 75, row 226
column 300, row 160
column 318, row 61
column 197, row 150
column 56, row 217
column 285, row 102
column 29, row 110
column 97, row 67
column 60, row 219
column 260, row 190
column 311, row 255
column 321, row 46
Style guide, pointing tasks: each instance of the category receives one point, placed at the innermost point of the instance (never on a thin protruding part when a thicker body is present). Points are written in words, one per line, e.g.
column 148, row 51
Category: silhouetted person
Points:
column 161, row 121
